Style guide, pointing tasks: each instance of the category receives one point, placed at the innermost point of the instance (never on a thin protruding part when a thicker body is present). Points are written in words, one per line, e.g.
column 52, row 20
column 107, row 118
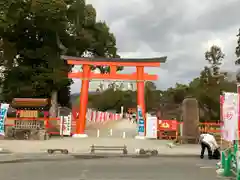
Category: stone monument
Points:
column 190, row 120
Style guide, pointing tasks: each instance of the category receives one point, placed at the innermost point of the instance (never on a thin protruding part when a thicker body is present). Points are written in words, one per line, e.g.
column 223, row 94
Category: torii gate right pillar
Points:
column 140, row 92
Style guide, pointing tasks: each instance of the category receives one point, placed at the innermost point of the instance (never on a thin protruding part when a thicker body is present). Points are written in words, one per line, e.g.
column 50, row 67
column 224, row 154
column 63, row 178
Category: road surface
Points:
column 82, row 145
column 112, row 169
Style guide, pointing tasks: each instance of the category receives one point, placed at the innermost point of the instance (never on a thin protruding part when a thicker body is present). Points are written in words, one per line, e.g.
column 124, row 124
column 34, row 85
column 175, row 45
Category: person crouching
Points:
column 208, row 142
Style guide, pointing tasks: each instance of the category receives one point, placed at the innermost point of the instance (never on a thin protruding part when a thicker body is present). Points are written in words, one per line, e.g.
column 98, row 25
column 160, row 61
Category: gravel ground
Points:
column 118, row 129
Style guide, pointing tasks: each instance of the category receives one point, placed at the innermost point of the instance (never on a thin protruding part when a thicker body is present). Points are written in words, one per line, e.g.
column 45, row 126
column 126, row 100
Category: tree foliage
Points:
column 237, row 50
column 33, row 36
column 113, row 100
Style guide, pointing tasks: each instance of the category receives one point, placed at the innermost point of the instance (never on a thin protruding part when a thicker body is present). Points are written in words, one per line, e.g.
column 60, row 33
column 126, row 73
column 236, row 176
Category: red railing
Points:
column 46, row 120
column 167, row 129
column 172, row 129
column 54, row 128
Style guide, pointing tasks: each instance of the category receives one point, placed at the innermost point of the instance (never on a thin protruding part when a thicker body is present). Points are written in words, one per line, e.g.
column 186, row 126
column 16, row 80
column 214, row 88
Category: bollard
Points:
column 227, row 169
column 111, row 132
column 223, row 159
column 235, row 149
column 124, row 135
column 98, row 133
column 238, row 164
column 238, row 173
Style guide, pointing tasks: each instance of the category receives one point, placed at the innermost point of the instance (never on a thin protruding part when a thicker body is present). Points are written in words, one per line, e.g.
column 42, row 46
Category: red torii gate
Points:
column 113, row 63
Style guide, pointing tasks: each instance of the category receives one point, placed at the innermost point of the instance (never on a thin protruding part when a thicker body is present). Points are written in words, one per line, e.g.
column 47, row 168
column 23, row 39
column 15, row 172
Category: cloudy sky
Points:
column 180, row 29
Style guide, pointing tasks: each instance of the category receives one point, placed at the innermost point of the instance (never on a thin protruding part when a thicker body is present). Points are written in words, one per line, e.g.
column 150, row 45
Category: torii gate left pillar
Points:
column 81, row 123
column 86, row 75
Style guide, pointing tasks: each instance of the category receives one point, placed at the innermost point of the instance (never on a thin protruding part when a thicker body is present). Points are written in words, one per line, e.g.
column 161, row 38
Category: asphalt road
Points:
column 112, row 169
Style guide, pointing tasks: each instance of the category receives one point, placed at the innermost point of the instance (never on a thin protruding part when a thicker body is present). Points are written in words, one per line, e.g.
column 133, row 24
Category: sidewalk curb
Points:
column 46, row 157
column 37, row 154
column 4, row 151
column 134, row 156
column 179, row 155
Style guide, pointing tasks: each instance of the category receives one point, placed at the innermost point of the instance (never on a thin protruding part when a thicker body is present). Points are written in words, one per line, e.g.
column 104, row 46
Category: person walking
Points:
column 208, row 142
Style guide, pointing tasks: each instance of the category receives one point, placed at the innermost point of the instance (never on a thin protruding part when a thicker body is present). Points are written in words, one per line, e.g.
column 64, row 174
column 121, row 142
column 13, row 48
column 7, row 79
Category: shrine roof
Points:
column 29, row 102
column 134, row 60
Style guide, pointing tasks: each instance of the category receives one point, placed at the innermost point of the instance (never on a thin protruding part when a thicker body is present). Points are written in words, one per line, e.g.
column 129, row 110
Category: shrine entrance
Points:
column 86, row 75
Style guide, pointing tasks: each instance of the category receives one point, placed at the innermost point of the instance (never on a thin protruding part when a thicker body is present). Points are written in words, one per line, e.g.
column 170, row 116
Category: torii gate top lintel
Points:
column 99, row 59
column 146, row 62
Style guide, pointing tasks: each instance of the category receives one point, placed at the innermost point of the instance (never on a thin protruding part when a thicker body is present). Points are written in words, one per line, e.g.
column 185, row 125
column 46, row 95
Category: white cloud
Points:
column 182, row 30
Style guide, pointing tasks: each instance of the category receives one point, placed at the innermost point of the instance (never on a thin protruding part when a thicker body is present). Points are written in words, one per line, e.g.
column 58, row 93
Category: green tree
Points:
column 33, row 36
column 215, row 57
column 113, row 100
column 237, row 50
column 209, row 84
column 33, row 28
column 210, row 81
column 151, row 97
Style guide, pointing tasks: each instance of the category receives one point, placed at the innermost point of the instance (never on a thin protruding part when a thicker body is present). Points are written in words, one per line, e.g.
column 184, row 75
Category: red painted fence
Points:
column 52, row 125
column 171, row 129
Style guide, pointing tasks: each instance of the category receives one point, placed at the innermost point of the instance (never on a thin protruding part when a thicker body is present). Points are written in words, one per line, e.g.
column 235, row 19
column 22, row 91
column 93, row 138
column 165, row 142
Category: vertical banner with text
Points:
column 66, row 125
column 151, row 127
column 238, row 106
column 230, row 116
column 141, row 122
column 3, row 115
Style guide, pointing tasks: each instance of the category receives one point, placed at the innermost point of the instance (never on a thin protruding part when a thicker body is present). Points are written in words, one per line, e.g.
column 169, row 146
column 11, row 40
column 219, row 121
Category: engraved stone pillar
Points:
column 53, row 112
column 190, row 120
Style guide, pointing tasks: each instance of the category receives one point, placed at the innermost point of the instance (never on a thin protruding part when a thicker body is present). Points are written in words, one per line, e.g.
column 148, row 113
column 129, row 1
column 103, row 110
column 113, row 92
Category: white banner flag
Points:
column 230, row 116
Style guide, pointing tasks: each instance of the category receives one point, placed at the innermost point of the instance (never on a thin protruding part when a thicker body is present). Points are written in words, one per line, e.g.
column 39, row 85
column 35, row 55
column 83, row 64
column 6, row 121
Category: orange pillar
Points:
column 140, row 92
column 81, row 122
